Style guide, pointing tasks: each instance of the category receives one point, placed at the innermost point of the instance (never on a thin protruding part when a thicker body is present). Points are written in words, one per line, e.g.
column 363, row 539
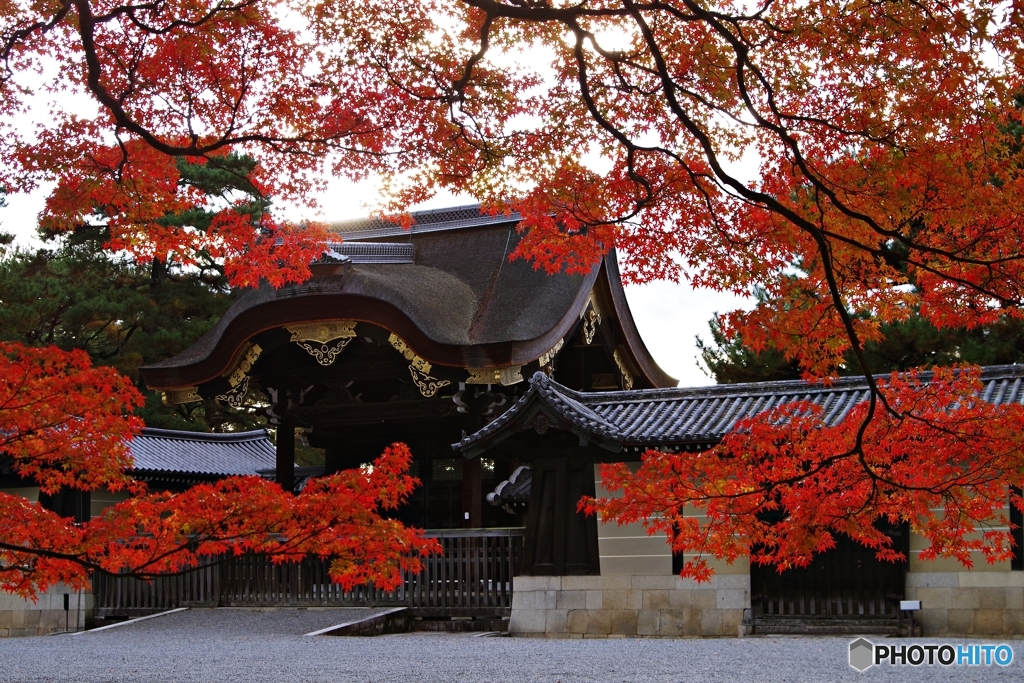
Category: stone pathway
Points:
column 267, row 645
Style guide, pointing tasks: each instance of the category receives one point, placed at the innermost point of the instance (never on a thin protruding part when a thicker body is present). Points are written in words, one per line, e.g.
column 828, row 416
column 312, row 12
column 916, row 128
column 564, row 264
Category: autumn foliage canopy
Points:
column 856, row 161
column 64, row 425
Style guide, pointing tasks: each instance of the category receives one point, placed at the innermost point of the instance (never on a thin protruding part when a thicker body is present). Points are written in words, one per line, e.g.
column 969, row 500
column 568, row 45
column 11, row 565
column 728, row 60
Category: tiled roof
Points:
column 699, row 415
column 166, row 451
column 447, row 287
column 453, row 218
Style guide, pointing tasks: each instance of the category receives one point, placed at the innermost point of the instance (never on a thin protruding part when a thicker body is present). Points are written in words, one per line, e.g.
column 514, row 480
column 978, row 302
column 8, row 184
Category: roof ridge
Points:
column 740, row 389
column 429, row 220
column 209, row 437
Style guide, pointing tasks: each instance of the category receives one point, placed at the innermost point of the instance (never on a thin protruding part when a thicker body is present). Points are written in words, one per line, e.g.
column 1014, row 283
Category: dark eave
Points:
column 459, row 303
column 689, row 416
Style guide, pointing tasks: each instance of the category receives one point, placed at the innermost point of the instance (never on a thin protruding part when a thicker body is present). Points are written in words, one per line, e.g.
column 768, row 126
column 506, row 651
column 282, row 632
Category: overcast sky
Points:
column 669, row 316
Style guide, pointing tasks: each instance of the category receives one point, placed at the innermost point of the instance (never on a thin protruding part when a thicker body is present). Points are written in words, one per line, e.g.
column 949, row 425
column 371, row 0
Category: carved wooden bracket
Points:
column 591, row 316
column 324, row 340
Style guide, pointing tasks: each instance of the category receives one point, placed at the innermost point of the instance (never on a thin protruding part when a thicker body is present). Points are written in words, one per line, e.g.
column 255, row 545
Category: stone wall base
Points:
column 21, row 617
column 621, row 606
column 968, row 603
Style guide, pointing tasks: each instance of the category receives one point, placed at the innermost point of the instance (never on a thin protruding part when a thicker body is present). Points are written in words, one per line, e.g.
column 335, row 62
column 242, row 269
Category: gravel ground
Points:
column 223, row 645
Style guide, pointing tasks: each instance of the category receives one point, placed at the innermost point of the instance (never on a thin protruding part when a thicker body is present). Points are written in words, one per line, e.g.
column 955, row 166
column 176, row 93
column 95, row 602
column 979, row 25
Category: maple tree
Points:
column 887, row 139
column 63, row 423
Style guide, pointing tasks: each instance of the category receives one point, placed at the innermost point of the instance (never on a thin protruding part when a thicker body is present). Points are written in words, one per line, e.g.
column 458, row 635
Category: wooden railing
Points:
column 472, row 576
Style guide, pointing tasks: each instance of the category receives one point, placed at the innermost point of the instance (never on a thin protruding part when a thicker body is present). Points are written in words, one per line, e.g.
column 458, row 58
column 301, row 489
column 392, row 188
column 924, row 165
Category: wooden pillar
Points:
column 472, row 493
column 285, row 475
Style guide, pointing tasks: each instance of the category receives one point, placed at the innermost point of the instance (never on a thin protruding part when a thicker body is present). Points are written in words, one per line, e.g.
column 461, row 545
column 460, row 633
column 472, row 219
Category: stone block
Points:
column 26, row 619
column 537, row 583
column 527, row 621
column 988, row 621
column 595, row 599
column 976, row 579
column 556, row 621
column 576, row 621
column 1013, row 622
column 546, row 599
column 5, row 633
column 1014, row 598
column 522, row 599
column 656, row 599
column 965, row 598
column 21, row 632
column 679, row 599
column 624, row 622
column 693, row 625
column 933, row 622
column 581, row 583
column 654, row 582
column 673, row 621
column 933, row 579
column 935, row 598
column 691, row 584
column 991, row 598
column 732, row 598
column 704, row 599
column 613, row 599
column 571, row 600
column 732, row 621
column 648, row 622
column 53, row 620
column 634, row 599
column 599, row 621
column 621, row 582
column 711, row 622
column 741, row 581
column 960, row 621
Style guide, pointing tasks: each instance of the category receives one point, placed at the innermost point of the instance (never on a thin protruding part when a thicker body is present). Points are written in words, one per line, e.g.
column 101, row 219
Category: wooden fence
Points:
column 473, row 577
column 845, row 583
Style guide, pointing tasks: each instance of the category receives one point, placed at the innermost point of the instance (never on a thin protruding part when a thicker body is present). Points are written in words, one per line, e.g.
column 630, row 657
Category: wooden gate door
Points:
column 846, row 583
column 559, row 540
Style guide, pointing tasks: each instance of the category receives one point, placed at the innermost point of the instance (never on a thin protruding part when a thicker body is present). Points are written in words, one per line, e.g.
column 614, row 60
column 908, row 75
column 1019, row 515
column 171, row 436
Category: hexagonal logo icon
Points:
column 862, row 654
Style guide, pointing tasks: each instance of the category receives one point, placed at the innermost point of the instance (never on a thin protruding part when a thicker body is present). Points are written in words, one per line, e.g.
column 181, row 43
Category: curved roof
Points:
column 458, row 300
column 698, row 415
column 198, row 453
